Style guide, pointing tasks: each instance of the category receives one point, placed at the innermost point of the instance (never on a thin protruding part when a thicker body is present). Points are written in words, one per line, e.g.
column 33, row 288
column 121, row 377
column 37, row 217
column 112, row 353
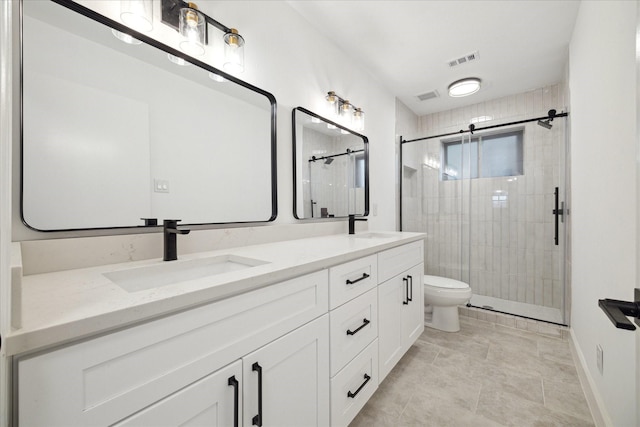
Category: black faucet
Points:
column 170, row 239
column 352, row 223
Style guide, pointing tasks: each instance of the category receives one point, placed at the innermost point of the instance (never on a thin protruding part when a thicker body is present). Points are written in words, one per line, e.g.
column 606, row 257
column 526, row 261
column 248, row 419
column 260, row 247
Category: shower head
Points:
column 545, row 124
column 328, row 160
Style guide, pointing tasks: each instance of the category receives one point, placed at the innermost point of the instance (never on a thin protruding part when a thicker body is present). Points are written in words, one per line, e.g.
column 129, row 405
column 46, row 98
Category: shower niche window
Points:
column 484, row 156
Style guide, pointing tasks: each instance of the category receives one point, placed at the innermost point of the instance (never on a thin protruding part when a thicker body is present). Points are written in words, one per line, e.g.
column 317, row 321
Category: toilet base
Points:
column 444, row 319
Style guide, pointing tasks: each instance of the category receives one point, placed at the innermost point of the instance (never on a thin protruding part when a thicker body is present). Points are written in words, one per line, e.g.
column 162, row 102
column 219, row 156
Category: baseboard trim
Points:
column 596, row 405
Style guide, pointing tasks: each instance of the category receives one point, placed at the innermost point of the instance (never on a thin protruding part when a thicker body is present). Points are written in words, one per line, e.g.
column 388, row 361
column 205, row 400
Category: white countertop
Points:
column 65, row 306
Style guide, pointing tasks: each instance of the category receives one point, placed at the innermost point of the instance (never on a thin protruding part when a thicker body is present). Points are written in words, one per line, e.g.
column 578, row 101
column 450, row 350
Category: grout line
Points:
column 544, row 398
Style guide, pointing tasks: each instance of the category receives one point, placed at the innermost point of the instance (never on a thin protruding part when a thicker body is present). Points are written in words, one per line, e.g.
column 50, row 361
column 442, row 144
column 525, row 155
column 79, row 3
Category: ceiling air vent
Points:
column 464, row 59
column 428, row 95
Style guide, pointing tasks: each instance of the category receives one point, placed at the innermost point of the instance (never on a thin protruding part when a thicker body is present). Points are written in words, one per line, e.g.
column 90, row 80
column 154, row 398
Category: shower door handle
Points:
column 559, row 214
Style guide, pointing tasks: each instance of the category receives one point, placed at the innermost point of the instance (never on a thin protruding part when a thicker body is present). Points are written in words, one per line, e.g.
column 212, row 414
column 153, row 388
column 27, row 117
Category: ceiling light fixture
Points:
column 191, row 23
column 464, row 87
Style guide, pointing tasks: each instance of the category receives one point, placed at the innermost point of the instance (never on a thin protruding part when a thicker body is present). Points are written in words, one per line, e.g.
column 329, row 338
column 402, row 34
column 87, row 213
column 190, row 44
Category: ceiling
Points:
column 407, row 45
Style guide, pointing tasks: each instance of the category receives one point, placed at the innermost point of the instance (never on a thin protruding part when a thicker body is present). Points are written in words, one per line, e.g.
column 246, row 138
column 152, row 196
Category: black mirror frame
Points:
column 71, row 5
column 295, row 183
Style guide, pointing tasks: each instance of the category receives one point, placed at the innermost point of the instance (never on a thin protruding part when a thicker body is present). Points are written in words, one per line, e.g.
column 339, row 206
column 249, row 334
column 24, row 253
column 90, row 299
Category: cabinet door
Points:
column 400, row 316
column 391, row 295
column 413, row 313
column 215, row 400
column 286, row 383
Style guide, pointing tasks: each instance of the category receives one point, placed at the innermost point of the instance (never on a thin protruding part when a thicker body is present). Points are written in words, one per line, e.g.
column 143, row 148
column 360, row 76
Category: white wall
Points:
column 286, row 56
column 604, row 253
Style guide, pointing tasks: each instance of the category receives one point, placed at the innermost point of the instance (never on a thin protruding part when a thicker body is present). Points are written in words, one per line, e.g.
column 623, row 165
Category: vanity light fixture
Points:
column 343, row 110
column 137, row 14
column 191, row 23
column 464, row 87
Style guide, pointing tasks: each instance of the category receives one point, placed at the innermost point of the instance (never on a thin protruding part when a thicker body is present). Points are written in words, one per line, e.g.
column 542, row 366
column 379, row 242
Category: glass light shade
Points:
column 177, row 60
column 464, row 87
column 346, row 109
column 192, row 28
column 217, row 77
column 125, row 37
column 233, row 51
column 358, row 119
column 332, row 104
column 137, row 14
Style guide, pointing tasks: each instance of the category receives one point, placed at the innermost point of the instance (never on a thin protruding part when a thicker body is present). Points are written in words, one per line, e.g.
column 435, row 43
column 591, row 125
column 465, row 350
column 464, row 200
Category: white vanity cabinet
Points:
column 400, row 303
column 309, row 351
column 110, row 379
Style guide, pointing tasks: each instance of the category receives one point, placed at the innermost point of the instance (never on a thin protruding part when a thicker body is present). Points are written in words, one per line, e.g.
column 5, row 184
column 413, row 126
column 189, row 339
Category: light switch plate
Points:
column 160, row 186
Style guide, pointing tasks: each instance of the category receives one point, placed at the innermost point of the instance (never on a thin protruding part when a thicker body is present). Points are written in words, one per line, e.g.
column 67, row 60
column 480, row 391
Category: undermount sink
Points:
column 373, row 236
column 169, row 273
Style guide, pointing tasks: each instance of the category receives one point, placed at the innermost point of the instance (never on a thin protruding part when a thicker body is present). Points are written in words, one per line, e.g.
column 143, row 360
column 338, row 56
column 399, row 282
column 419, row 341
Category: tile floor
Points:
column 485, row 375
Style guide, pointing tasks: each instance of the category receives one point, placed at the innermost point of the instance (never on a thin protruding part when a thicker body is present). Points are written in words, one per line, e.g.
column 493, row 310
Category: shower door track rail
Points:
column 473, row 129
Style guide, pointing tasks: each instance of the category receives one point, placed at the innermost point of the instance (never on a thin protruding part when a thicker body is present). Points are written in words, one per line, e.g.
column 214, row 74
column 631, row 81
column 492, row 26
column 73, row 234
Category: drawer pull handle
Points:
column 366, row 380
column 233, row 382
column 410, row 298
column 257, row 420
column 351, row 282
column 406, row 288
column 365, row 322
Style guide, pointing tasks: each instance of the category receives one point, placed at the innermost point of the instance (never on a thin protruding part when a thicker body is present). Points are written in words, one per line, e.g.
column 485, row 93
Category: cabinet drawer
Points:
column 354, row 385
column 348, row 280
column 394, row 261
column 106, row 379
column 353, row 326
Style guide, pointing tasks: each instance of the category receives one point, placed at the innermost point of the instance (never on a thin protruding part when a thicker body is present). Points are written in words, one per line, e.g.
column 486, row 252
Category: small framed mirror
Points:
column 330, row 168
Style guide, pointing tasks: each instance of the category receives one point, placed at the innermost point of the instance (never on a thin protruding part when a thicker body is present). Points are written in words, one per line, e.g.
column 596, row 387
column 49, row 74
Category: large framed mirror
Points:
column 330, row 167
column 114, row 132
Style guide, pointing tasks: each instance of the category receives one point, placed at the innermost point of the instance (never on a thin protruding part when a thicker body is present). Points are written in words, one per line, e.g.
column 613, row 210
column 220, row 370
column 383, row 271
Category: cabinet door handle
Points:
column 233, row 382
column 410, row 298
column 365, row 322
column 351, row 282
column 406, row 288
column 257, row 420
column 366, row 380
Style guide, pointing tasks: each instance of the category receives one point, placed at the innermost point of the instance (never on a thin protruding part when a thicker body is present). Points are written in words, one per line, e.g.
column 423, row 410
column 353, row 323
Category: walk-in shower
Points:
column 489, row 197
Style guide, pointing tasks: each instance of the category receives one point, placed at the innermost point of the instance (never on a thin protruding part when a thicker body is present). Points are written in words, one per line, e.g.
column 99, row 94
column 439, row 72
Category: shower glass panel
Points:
column 486, row 202
column 345, row 170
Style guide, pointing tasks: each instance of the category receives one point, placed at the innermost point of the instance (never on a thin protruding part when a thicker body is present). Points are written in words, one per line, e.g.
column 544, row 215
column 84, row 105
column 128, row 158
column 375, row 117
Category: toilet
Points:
column 442, row 296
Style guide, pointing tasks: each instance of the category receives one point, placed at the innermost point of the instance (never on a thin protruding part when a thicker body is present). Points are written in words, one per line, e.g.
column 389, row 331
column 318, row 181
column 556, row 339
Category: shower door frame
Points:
column 564, row 310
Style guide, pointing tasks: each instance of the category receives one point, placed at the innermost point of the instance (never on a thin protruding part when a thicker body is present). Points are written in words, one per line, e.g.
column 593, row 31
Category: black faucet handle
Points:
column 172, row 225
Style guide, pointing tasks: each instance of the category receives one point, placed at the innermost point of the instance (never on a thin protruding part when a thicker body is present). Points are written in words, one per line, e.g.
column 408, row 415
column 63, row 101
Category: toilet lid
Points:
column 444, row 282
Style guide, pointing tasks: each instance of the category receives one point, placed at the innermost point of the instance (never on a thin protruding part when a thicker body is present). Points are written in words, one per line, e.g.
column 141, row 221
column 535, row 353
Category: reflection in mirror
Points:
column 331, row 168
column 114, row 133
